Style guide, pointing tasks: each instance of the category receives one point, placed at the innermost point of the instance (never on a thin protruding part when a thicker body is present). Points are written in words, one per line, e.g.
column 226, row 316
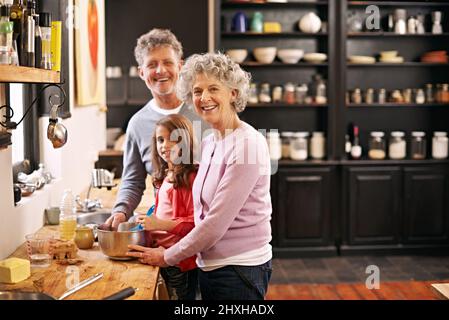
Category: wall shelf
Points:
column 399, row 3
column 398, row 105
column 292, row 34
column 272, row 5
column 398, row 65
column 15, row 74
column 285, row 105
column 395, row 35
column 254, row 64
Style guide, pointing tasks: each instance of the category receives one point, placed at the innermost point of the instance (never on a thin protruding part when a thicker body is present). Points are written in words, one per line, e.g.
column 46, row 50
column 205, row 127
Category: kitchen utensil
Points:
column 237, row 55
column 81, row 285
column 139, row 226
column 265, row 54
column 290, row 55
column 56, row 132
column 114, row 244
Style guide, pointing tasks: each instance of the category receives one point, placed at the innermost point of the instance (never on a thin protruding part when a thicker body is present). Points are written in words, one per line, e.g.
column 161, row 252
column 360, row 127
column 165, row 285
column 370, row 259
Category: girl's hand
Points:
column 152, row 223
column 151, row 256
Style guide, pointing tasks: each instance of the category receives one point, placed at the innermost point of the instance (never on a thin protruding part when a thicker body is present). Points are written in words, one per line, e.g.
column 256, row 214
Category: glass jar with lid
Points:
column 439, row 145
column 253, row 96
column 318, row 145
column 289, row 93
column 274, row 145
column 264, row 94
column 299, row 146
column 377, row 145
column 397, row 148
column 286, row 138
column 418, row 145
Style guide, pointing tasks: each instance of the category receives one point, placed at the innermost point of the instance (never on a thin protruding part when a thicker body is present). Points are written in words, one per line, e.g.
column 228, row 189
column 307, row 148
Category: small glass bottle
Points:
column 321, row 92
column 301, row 93
column 356, row 148
column 418, row 145
column 438, row 94
column 274, row 145
column 318, row 145
column 369, row 96
column 277, row 94
column 356, row 96
column 445, row 93
column 264, row 94
column 286, row 138
column 407, row 94
column 429, row 93
column 397, row 148
column 377, row 145
column 420, row 97
column 299, row 146
column 382, row 96
column 439, row 145
column 67, row 218
column 6, row 33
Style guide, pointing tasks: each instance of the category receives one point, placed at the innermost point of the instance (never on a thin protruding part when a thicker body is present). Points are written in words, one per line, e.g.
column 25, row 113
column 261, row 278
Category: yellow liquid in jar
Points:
column 67, row 228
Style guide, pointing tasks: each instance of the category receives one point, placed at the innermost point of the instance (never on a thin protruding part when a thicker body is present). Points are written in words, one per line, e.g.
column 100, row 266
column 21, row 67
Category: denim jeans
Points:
column 180, row 285
column 236, row 282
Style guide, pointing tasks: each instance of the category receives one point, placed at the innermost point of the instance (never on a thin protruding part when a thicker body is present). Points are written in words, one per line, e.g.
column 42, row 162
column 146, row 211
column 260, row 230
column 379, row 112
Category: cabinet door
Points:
column 374, row 205
column 426, row 201
column 303, row 215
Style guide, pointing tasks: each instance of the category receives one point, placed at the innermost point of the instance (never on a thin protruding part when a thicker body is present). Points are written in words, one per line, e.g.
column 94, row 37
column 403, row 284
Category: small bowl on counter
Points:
column 265, row 55
column 26, row 190
column 290, row 56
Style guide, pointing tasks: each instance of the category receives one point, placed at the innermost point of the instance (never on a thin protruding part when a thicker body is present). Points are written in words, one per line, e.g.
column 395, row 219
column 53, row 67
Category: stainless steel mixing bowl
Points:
column 114, row 244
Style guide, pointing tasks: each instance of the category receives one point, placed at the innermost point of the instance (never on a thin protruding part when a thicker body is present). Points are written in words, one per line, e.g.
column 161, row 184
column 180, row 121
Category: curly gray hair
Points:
column 153, row 39
column 221, row 67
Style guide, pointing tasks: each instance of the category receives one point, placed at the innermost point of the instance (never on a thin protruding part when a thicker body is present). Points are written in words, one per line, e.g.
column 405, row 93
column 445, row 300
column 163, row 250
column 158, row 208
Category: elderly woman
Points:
column 231, row 193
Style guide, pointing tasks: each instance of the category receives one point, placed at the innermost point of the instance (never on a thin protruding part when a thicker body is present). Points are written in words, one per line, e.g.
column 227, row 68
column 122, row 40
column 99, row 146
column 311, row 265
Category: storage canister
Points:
column 274, row 145
column 418, row 145
column 397, row 148
column 318, row 145
column 377, row 145
column 439, row 145
column 299, row 146
column 286, row 138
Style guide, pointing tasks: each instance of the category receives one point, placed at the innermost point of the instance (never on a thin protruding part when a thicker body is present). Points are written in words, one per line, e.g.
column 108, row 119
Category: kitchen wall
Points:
column 71, row 165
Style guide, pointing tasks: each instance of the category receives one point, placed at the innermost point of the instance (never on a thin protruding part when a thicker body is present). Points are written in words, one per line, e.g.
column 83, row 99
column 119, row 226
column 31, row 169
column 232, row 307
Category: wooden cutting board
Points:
column 117, row 275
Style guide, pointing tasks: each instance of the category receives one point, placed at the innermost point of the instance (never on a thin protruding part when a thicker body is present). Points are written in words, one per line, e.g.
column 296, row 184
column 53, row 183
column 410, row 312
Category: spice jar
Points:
column 274, row 145
column 396, row 96
column 369, row 96
column 420, row 97
column 318, row 145
column 253, row 99
column 356, row 96
column 438, row 94
column 277, row 94
column 376, row 145
column 289, row 93
column 445, row 93
column 301, row 93
column 397, row 148
column 418, row 145
column 429, row 93
column 439, row 145
column 407, row 94
column 286, row 138
column 264, row 95
column 382, row 96
column 299, row 146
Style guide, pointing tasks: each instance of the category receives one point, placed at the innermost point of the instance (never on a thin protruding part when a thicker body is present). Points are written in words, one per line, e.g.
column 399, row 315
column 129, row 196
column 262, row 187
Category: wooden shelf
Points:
column 14, row 74
column 292, row 34
column 272, row 5
column 398, row 105
column 393, row 162
column 398, row 65
column 280, row 64
column 399, row 3
column 394, row 35
column 284, row 105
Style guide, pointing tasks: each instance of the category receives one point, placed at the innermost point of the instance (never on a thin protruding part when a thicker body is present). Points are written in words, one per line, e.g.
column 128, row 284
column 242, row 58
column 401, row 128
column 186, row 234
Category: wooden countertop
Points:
column 117, row 275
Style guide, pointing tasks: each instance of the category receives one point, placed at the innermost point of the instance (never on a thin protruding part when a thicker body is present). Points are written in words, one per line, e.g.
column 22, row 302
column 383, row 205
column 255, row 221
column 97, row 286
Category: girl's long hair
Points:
column 181, row 171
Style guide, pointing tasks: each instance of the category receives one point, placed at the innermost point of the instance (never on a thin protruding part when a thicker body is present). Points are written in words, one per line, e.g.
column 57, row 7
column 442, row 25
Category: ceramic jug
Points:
column 310, row 23
column 257, row 22
column 239, row 22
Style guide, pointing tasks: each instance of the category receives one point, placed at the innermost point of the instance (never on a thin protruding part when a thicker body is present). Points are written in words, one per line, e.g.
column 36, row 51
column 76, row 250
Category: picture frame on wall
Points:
column 90, row 64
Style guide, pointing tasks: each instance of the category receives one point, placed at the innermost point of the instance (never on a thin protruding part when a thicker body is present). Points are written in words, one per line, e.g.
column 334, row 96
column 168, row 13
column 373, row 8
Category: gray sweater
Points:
column 137, row 154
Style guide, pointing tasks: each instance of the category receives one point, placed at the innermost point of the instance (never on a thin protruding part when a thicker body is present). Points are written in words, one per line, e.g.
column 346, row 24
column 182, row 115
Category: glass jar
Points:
column 429, row 93
column 382, row 96
column 377, row 145
column 264, row 95
column 369, row 96
column 318, row 145
column 420, row 97
column 407, row 94
column 299, row 146
column 277, row 94
column 286, row 138
column 301, row 93
column 274, row 145
column 253, row 98
column 289, row 93
column 438, row 93
column 439, row 145
column 445, row 93
column 397, row 147
column 356, row 96
column 418, row 145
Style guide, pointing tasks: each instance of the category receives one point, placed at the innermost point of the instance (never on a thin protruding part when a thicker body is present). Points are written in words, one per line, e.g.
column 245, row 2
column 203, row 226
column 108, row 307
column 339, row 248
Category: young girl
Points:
column 173, row 175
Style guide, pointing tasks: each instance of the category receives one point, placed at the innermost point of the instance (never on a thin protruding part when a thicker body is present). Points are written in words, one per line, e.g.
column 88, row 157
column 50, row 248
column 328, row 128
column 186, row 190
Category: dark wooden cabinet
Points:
column 303, row 212
column 373, row 199
column 426, row 205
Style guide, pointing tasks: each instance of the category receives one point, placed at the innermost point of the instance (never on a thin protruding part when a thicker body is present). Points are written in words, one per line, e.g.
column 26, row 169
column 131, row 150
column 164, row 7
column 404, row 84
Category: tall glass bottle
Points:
column 45, row 24
column 6, row 30
column 16, row 18
column 28, row 35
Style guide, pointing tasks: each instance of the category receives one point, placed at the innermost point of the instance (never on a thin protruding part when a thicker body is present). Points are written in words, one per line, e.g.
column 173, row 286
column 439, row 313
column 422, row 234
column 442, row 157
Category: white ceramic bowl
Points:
column 315, row 57
column 265, row 54
column 361, row 59
column 237, row 55
column 290, row 55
